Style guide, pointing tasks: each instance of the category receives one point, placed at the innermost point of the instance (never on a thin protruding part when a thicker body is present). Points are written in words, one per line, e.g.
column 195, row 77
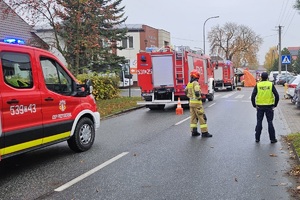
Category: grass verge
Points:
column 294, row 138
column 117, row 105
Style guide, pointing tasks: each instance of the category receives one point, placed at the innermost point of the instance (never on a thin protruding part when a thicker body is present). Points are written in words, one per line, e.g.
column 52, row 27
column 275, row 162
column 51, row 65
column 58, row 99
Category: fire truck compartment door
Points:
column 218, row 74
column 162, row 71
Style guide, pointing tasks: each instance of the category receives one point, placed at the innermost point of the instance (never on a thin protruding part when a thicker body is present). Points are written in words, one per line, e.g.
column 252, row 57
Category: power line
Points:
column 290, row 23
column 279, row 17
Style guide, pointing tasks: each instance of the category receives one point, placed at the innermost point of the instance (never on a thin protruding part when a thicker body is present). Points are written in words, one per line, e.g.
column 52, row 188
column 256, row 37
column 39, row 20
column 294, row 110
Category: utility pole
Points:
column 279, row 50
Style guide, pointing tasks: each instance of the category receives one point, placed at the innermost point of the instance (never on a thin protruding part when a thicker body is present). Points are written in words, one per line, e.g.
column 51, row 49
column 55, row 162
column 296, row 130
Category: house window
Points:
column 130, row 40
column 127, row 42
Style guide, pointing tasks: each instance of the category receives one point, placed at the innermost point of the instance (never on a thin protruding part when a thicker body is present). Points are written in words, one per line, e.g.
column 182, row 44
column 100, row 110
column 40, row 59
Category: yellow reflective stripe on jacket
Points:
column 191, row 89
column 264, row 93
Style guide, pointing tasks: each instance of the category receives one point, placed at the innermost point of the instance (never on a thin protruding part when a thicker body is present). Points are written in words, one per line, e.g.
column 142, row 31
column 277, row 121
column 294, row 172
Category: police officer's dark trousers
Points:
column 269, row 112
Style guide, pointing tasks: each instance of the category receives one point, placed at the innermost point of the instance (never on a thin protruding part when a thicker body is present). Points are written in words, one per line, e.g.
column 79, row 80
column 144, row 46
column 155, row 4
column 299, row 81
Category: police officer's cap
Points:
column 264, row 75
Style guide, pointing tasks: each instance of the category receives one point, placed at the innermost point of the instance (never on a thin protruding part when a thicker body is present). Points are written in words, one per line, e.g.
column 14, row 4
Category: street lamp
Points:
column 204, row 31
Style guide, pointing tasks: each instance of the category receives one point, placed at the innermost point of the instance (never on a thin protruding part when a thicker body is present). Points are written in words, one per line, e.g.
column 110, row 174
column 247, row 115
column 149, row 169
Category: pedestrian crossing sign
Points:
column 286, row 59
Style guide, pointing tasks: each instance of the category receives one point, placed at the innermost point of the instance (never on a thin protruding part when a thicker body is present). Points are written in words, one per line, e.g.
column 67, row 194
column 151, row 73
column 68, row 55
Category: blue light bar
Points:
column 14, row 41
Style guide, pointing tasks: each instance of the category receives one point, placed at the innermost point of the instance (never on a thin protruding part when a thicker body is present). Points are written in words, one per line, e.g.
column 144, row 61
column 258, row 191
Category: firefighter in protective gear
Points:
column 193, row 92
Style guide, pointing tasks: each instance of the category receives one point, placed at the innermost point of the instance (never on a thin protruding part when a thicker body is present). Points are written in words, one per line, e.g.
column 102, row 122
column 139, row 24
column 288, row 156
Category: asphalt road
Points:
column 147, row 154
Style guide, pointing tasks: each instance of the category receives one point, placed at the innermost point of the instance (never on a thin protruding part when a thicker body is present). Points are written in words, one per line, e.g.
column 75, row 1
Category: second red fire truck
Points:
column 224, row 77
column 164, row 73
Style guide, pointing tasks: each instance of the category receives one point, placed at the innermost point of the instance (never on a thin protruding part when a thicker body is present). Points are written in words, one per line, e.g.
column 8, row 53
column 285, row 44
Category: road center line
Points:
column 182, row 121
column 88, row 173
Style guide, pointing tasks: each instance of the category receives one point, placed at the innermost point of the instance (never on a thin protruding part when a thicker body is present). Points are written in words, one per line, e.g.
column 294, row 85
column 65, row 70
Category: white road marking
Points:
column 239, row 96
column 212, row 105
column 182, row 121
column 83, row 176
column 228, row 95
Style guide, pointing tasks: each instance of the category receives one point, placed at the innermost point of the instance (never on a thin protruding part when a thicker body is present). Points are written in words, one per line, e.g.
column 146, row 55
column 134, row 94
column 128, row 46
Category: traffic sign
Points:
column 286, row 59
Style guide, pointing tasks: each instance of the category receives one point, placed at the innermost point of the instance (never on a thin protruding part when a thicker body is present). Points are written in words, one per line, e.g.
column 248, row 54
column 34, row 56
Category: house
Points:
column 294, row 52
column 139, row 37
column 13, row 26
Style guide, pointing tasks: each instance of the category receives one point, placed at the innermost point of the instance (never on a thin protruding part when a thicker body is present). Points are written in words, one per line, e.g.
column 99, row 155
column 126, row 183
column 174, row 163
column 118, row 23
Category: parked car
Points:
column 284, row 79
column 273, row 75
column 292, row 85
column 296, row 97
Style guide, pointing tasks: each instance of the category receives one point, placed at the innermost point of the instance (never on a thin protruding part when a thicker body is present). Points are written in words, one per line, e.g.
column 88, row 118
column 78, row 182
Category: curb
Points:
column 121, row 112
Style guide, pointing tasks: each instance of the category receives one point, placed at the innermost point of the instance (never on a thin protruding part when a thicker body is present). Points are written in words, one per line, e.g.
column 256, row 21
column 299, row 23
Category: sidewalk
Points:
column 289, row 111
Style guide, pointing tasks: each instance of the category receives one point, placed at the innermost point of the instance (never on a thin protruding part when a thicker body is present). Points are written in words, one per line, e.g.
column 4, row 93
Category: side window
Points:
column 56, row 78
column 17, row 70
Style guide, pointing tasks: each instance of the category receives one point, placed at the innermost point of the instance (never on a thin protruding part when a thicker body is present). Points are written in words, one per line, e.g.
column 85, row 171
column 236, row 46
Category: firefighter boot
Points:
column 195, row 133
column 206, row 134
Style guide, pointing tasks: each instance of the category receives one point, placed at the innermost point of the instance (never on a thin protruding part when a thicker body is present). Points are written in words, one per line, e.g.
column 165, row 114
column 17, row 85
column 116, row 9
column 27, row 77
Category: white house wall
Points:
column 48, row 37
column 131, row 53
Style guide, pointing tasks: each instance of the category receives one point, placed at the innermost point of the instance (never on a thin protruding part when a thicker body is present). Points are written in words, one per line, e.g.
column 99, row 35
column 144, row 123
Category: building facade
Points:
column 12, row 26
column 139, row 37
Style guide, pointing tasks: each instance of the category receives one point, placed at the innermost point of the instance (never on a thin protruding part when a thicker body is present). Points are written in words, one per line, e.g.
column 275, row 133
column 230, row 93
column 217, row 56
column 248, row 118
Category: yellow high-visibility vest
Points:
column 265, row 95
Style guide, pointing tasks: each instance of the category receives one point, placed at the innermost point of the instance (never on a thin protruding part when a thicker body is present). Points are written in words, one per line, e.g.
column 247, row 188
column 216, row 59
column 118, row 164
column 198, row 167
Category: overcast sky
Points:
column 184, row 19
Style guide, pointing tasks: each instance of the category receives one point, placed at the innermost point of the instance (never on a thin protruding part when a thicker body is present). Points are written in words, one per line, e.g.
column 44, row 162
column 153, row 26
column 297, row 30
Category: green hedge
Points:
column 105, row 86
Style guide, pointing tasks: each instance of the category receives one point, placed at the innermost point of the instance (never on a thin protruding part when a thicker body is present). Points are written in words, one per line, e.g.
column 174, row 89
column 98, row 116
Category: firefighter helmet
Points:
column 195, row 74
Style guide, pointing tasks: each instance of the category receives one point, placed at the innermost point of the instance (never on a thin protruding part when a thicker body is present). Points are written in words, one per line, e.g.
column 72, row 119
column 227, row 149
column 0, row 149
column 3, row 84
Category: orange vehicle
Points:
column 164, row 73
column 42, row 103
column 224, row 76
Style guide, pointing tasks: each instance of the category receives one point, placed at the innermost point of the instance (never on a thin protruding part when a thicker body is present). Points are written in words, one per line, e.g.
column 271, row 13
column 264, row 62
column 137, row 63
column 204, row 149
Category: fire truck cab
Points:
column 42, row 103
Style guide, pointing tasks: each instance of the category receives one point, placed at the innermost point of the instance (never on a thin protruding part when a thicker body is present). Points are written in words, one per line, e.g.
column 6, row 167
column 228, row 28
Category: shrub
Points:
column 105, row 85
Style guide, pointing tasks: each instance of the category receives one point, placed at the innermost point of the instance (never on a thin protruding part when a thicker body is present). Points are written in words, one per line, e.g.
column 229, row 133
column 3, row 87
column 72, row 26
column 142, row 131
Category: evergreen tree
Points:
column 89, row 33
column 274, row 67
column 296, row 64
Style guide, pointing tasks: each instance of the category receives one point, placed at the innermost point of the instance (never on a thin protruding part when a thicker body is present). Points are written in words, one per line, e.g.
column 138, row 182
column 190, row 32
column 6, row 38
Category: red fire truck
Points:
column 224, row 76
column 42, row 103
column 164, row 73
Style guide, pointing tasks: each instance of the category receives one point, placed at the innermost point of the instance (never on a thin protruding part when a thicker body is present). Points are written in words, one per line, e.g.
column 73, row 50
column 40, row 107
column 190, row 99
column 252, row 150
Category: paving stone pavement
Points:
column 289, row 111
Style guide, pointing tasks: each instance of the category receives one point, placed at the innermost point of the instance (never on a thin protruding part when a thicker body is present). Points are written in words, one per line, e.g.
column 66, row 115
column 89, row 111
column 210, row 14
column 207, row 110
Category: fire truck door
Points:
column 57, row 102
column 162, row 71
column 22, row 126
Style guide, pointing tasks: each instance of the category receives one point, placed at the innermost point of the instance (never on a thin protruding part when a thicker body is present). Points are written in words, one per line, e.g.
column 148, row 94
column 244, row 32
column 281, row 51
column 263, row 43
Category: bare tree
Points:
column 237, row 43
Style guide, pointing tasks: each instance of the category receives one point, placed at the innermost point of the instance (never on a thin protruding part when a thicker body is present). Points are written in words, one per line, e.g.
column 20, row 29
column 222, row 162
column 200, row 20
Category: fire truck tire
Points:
column 203, row 100
column 210, row 97
column 83, row 137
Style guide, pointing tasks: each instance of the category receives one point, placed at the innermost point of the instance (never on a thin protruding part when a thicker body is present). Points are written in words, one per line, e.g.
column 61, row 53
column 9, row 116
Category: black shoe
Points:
column 195, row 134
column 206, row 134
column 257, row 141
column 274, row 141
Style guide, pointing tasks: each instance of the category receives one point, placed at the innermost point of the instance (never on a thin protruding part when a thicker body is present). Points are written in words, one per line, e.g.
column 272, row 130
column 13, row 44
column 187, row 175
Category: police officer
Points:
column 265, row 98
column 193, row 92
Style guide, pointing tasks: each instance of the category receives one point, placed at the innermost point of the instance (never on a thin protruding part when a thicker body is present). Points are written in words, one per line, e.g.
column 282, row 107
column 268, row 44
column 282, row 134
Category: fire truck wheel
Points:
column 84, row 135
column 203, row 100
column 210, row 97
